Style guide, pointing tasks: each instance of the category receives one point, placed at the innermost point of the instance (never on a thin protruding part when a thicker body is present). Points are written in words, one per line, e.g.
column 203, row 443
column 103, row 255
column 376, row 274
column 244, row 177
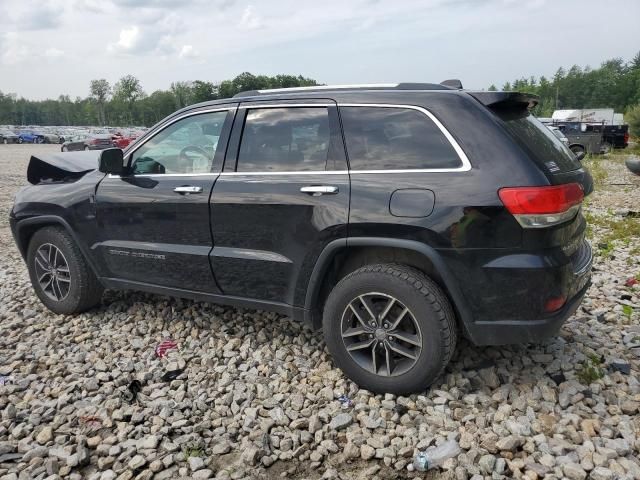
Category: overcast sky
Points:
column 53, row 47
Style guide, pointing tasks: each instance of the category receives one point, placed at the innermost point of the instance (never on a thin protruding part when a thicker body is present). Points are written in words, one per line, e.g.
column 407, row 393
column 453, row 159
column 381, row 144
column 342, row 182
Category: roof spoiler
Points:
column 506, row 99
column 452, row 83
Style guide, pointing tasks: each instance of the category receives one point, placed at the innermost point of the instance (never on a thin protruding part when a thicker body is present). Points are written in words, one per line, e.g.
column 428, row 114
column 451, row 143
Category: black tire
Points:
column 64, row 148
column 86, row 148
column 426, row 303
column 5, row 141
column 20, row 140
column 84, row 290
column 577, row 149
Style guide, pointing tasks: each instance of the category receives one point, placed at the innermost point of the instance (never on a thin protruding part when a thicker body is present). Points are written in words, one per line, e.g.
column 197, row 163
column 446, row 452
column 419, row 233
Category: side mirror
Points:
column 111, row 161
column 580, row 155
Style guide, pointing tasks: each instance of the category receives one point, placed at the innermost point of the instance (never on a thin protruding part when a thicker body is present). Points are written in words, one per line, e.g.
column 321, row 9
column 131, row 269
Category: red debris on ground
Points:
column 631, row 282
column 164, row 346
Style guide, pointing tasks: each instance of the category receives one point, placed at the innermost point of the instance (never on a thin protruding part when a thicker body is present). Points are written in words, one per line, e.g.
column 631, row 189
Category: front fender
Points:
column 23, row 229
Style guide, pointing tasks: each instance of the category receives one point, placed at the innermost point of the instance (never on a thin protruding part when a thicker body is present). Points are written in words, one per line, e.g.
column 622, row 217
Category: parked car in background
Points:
column 87, row 142
column 122, row 141
column 455, row 213
column 28, row 137
column 46, row 137
column 7, row 136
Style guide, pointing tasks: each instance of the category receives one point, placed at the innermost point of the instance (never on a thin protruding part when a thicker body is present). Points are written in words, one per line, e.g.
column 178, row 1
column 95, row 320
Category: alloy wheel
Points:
column 52, row 271
column 381, row 334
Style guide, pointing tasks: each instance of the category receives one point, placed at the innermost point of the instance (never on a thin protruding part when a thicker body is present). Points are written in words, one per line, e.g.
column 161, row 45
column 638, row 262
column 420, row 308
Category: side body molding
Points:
column 446, row 277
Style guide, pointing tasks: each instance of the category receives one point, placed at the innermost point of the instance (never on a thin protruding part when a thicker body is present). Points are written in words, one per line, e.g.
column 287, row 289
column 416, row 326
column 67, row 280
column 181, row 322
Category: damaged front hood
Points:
column 61, row 167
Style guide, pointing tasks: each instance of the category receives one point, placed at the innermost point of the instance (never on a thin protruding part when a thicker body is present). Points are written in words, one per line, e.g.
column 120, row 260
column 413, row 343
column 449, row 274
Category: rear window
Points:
column 395, row 138
column 539, row 142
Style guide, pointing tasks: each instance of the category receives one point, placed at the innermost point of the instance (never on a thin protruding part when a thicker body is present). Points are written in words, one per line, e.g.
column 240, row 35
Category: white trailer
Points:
column 604, row 116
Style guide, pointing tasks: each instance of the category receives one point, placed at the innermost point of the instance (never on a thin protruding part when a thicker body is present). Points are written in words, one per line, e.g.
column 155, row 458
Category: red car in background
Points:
column 123, row 141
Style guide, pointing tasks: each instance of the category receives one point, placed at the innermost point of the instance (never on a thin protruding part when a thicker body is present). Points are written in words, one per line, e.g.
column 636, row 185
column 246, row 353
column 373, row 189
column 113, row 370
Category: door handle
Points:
column 186, row 189
column 317, row 190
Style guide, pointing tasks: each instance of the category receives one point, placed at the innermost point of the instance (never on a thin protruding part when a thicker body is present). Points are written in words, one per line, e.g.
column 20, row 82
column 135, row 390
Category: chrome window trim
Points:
column 254, row 104
column 466, row 165
column 167, row 175
column 168, row 124
column 302, row 172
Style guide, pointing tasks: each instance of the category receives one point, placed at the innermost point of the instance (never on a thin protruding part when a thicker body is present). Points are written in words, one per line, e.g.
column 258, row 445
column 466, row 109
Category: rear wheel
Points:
column 577, row 149
column 60, row 275
column 64, row 148
column 20, row 140
column 86, row 147
column 390, row 328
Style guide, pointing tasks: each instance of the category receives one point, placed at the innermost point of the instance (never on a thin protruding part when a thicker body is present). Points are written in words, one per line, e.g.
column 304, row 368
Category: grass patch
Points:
column 591, row 370
column 627, row 310
column 597, row 170
column 192, row 450
column 618, row 229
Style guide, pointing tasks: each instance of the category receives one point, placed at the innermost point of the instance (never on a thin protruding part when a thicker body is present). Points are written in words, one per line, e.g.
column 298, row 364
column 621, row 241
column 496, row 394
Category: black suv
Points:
column 395, row 217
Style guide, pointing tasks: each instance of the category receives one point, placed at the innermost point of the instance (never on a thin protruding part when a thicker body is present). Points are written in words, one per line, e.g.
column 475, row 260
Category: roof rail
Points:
column 364, row 86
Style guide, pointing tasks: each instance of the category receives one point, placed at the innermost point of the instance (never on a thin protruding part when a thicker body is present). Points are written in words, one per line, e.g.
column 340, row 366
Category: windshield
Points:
column 542, row 145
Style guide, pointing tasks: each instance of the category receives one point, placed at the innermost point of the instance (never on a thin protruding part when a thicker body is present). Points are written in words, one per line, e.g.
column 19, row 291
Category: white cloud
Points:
column 187, row 51
column 35, row 15
column 53, row 52
column 128, row 40
column 250, row 20
column 13, row 50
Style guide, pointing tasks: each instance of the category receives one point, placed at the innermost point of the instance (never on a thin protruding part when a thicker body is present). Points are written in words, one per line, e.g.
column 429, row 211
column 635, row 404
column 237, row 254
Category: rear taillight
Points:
column 626, row 138
column 95, row 141
column 538, row 207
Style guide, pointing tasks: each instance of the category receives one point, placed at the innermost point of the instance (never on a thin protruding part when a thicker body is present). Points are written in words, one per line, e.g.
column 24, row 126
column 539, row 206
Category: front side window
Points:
column 288, row 139
column 186, row 146
column 395, row 138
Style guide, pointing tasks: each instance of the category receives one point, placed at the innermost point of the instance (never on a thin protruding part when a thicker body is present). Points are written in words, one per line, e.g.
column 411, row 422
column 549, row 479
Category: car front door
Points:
column 154, row 221
column 282, row 197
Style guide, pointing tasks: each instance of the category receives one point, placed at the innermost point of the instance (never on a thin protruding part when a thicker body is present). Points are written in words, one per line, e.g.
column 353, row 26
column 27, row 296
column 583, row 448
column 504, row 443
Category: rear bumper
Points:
column 510, row 296
column 506, row 332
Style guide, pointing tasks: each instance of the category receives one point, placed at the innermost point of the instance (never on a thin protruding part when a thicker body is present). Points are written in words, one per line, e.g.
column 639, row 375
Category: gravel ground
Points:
column 259, row 396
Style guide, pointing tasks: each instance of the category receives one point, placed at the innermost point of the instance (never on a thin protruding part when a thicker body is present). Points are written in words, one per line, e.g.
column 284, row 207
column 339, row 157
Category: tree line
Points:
column 615, row 84
column 126, row 104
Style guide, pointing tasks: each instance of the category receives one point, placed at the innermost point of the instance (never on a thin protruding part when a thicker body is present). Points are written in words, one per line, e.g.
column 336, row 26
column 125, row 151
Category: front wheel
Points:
column 20, row 140
column 60, row 275
column 389, row 328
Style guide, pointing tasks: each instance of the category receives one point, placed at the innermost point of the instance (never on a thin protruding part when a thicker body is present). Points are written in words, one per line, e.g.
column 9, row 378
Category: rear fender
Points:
column 324, row 261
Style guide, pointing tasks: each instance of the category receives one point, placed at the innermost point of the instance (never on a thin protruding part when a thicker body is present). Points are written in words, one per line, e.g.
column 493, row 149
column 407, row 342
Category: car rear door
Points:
column 282, row 197
column 154, row 222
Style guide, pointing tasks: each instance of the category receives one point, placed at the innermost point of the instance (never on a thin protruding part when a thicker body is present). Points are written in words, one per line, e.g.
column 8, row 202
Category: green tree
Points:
column 182, row 93
column 203, row 91
column 127, row 91
column 100, row 90
column 632, row 117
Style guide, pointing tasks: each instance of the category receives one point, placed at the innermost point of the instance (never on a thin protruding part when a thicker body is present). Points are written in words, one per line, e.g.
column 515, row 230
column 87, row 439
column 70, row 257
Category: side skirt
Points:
column 297, row 313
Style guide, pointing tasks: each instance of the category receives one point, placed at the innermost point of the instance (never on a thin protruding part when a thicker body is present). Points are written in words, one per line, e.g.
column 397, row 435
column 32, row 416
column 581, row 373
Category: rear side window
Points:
column 538, row 141
column 284, row 140
column 394, row 138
